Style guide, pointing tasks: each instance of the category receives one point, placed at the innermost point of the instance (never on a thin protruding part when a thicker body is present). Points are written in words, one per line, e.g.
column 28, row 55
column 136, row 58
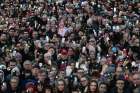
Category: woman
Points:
column 61, row 86
column 14, row 87
column 93, row 87
column 103, row 88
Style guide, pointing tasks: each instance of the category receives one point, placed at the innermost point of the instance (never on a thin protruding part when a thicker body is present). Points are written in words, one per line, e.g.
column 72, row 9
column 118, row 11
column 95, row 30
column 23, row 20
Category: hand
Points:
column 40, row 87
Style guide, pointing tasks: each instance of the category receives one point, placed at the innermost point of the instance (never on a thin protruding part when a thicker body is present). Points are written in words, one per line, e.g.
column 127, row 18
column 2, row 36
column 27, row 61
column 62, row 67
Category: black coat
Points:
column 126, row 90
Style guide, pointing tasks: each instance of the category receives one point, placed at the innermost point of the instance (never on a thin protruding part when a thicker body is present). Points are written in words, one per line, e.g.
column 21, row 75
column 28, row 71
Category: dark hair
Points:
column 103, row 83
column 96, row 86
column 49, row 88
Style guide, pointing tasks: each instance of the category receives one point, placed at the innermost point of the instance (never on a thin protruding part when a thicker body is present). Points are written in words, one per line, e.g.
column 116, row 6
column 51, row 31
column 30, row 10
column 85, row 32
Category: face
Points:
column 92, row 54
column 47, row 57
column 119, row 71
column 48, row 91
column 102, row 88
column 26, row 34
column 46, row 46
column 14, row 83
column 92, row 42
column 84, row 81
column 3, row 37
column 11, row 32
column 42, row 76
column 54, row 70
column 120, row 84
column 35, row 71
column 136, row 79
column 28, row 66
column 60, row 85
column 35, row 35
column 93, row 86
column 136, row 42
column 12, row 65
column 70, row 52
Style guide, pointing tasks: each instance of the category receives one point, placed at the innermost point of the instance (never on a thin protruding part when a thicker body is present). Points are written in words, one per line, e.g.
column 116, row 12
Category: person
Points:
column 136, row 82
column 93, row 87
column 84, row 84
column 120, row 87
column 103, row 88
column 118, row 73
column 49, row 89
column 61, row 87
column 14, row 85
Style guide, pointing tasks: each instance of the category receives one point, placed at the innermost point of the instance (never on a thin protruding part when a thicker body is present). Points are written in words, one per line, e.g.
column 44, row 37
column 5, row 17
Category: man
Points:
column 84, row 84
column 120, row 87
column 136, row 82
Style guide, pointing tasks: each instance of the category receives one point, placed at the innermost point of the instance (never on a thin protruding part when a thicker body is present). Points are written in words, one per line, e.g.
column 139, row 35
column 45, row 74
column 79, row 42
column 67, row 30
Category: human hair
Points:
column 57, row 84
column 103, row 83
column 93, row 81
column 14, row 78
column 50, row 88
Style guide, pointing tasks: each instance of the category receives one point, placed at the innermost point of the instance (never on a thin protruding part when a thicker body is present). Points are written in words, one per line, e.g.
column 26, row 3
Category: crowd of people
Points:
column 69, row 46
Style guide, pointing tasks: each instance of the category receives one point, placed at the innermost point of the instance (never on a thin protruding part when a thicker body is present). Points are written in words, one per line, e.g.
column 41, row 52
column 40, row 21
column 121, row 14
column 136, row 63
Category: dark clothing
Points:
column 126, row 90
column 9, row 90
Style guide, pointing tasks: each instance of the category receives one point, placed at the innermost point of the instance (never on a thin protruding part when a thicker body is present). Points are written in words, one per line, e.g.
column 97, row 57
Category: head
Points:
column 102, row 87
column 47, row 57
column 26, row 34
column 18, row 57
column 75, row 91
column 93, row 86
column 120, row 84
column 35, row 35
column 48, row 89
column 12, row 64
column 3, row 37
column 80, row 72
column 92, row 41
column 84, row 81
column 27, row 65
column 35, row 70
column 14, row 81
column 119, row 71
column 136, row 79
column 60, row 85
column 42, row 75
column 11, row 32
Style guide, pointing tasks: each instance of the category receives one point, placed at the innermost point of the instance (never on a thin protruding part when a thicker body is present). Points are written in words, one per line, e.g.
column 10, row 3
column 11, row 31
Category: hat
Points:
column 36, row 66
